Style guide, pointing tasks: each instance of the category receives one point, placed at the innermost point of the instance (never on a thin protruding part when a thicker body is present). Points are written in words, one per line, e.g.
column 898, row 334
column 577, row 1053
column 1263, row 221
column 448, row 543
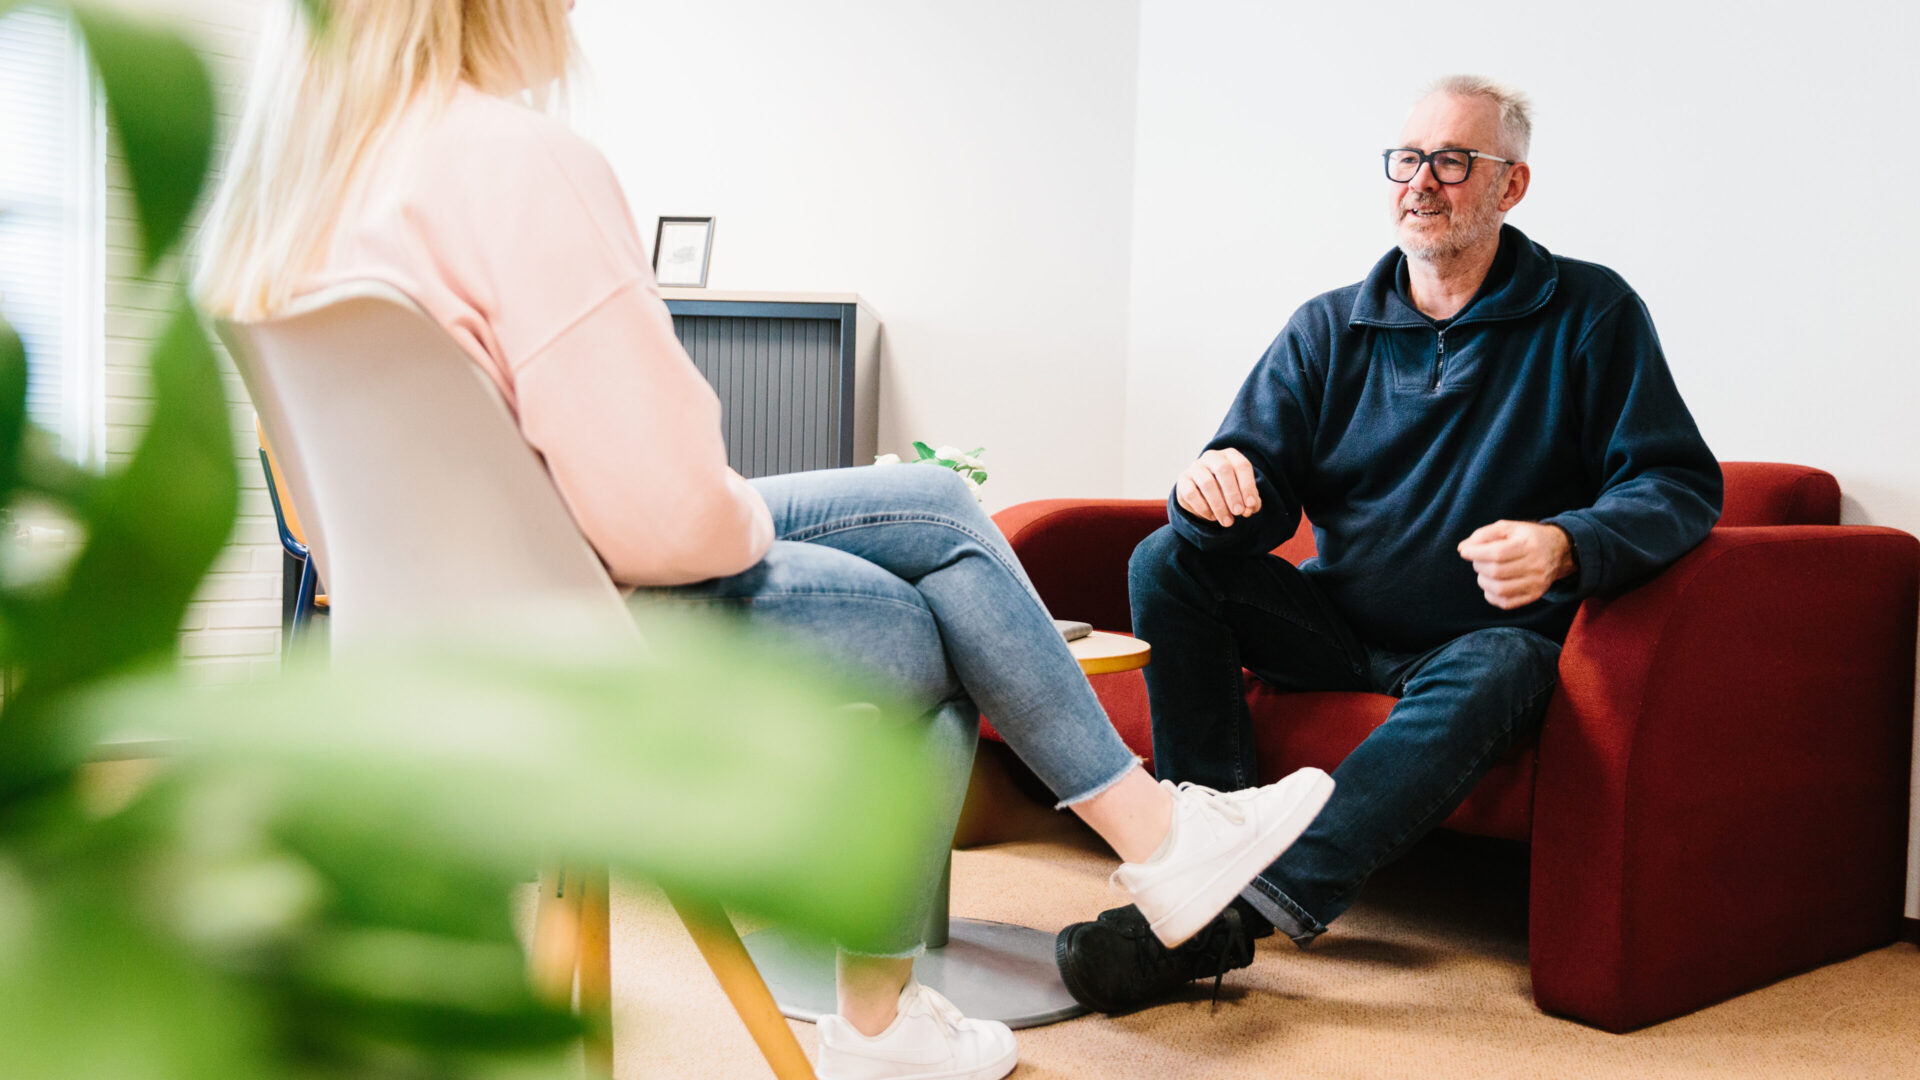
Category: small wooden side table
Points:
column 990, row 970
column 1101, row 653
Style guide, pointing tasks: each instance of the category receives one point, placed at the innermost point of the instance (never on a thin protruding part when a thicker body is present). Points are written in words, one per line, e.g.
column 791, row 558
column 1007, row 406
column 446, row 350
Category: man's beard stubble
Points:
column 1466, row 230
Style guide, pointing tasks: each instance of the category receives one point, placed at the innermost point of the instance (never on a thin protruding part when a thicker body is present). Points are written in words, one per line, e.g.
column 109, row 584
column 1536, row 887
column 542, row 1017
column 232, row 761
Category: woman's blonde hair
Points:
column 317, row 111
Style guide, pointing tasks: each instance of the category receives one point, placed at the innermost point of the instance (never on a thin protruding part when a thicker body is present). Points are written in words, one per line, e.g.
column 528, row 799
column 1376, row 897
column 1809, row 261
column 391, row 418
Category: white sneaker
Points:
column 929, row 1040
column 1215, row 845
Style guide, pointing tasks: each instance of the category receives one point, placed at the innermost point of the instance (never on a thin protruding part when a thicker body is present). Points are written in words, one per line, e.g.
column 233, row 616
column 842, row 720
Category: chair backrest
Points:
column 423, row 505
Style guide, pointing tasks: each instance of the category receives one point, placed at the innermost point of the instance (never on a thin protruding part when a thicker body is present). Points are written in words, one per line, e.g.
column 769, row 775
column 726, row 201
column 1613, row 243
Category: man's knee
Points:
column 1511, row 648
column 1160, row 564
column 1513, row 663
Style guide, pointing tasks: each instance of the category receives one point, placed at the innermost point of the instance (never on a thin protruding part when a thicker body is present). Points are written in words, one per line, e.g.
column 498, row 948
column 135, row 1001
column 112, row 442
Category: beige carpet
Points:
column 1426, row 978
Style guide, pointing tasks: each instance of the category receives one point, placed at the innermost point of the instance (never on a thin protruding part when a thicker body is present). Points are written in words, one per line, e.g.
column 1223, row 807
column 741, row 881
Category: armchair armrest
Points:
column 1076, row 552
column 1722, row 790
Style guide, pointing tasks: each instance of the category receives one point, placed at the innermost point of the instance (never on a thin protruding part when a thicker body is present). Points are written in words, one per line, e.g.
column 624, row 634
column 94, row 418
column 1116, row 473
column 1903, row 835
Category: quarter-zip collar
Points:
column 1524, row 289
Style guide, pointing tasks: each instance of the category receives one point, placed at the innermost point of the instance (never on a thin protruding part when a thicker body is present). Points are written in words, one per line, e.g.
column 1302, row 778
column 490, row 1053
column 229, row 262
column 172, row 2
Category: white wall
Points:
column 1748, row 167
column 964, row 167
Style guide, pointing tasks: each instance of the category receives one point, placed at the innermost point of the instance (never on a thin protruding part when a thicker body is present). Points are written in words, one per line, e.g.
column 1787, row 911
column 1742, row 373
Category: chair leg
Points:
column 596, row 972
column 303, row 600
column 713, row 932
column 570, row 937
column 556, row 937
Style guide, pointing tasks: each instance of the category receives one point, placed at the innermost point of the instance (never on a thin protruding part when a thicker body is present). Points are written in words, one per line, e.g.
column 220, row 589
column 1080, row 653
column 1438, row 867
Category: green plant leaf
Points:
column 923, row 450
column 980, row 476
column 43, row 471
column 425, row 989
column 89, row 992
column 708, row 764
column 153, row 530
column 13, row 407
column 318, row 14
column 161, row 101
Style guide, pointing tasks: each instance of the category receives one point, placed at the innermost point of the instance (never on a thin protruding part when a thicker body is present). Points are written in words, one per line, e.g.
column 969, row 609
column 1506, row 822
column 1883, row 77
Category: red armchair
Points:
column 1719, row 794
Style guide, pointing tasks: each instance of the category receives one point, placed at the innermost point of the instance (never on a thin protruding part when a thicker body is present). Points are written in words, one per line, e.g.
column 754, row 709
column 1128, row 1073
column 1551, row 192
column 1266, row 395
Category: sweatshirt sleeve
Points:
column 631, row 434
column 1659, row 485
column 601, row 387
column 1270, row 422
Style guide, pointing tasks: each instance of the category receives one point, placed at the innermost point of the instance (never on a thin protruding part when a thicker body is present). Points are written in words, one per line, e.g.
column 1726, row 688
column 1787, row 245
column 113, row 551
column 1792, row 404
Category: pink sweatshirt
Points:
column 512, row 232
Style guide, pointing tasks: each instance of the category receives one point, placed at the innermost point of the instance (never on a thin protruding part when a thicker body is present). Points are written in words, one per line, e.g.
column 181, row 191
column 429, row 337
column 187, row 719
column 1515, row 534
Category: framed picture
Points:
column 681, row 248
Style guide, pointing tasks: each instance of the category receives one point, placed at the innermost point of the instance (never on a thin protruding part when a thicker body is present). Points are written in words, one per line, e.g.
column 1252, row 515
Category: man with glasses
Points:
column 1483, row 434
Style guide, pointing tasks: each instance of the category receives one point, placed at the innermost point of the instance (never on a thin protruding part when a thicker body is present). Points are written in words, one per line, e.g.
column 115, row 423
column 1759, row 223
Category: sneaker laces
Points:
column 1215, row 945
column 941, row 1009
column 1226, row 804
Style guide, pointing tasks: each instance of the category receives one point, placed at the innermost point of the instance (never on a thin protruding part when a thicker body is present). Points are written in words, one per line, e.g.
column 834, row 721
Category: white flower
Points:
column 887, row 459
column 959, row 457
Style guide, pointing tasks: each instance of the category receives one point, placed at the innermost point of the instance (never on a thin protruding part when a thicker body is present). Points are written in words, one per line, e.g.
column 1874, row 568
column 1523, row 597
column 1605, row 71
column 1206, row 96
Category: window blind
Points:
column 50, row 230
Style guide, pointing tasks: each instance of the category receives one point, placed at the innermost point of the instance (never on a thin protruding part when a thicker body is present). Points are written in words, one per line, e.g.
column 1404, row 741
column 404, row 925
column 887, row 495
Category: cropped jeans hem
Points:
column 1133, row 762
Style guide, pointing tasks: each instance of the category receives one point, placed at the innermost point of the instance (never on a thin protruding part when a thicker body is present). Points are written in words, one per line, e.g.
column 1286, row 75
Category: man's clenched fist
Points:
column 1219, row 487
column 1518, row 560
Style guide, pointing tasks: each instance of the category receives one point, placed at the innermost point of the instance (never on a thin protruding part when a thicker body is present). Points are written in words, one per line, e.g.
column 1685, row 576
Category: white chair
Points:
column 425, row 507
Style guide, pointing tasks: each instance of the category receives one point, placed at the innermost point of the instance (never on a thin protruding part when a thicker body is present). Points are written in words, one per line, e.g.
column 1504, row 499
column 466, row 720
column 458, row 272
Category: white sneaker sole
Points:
column 993, row 1070
column 1192, row 915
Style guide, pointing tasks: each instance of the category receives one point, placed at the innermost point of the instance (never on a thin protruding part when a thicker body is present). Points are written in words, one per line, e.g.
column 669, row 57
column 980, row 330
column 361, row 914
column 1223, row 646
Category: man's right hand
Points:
column 1219, row 487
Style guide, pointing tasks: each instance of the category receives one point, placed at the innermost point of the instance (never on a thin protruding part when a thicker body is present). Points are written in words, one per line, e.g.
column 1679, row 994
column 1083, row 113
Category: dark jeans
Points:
column 1462, row 705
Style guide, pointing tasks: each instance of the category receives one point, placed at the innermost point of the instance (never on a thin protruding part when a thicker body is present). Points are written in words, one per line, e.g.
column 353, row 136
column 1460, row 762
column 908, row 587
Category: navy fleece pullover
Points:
column 1546, row 398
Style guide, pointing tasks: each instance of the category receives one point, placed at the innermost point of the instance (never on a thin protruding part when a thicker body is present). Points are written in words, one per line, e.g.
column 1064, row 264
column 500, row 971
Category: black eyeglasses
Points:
column 1450, row 166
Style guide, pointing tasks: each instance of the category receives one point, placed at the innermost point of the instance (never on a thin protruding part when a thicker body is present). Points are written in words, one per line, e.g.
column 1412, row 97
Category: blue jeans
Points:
column 1462, row 704
column 898, row 576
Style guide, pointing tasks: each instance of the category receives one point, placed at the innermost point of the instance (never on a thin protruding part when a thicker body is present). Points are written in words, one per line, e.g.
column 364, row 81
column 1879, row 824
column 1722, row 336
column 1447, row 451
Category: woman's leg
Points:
column 876, row 630
column 923, row 526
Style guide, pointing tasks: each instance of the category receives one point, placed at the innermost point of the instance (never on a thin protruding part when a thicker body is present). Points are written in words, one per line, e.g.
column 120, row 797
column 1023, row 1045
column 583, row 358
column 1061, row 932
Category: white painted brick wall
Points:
column 232, row 630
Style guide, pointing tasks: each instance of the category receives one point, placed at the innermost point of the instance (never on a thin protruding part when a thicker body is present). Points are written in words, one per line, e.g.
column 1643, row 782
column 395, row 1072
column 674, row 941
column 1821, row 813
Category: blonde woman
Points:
column 399, row 145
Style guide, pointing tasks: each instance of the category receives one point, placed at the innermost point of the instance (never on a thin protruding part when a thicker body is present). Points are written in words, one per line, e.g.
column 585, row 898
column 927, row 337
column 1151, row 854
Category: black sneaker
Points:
column 1115, row 963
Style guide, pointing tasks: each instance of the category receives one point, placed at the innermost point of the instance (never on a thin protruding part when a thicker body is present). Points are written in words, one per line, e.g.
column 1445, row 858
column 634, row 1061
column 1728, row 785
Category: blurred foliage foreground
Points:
column 315, row 882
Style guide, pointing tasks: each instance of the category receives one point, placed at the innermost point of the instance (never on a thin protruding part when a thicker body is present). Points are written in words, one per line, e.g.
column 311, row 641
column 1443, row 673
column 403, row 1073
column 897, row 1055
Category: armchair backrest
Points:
column 423, row 504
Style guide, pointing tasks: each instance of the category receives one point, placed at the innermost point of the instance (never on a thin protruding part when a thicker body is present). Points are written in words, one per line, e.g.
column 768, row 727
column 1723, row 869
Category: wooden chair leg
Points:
column 570, row 937
column 596, row 973
column 556, row 936
column 713, row 932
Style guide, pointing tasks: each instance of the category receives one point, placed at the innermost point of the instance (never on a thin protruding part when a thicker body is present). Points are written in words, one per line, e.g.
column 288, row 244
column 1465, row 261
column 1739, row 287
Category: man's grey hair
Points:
column 1516, row 112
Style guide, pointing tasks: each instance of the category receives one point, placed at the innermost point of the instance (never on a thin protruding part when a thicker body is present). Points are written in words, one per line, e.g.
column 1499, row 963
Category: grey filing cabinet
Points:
column 798, row 375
